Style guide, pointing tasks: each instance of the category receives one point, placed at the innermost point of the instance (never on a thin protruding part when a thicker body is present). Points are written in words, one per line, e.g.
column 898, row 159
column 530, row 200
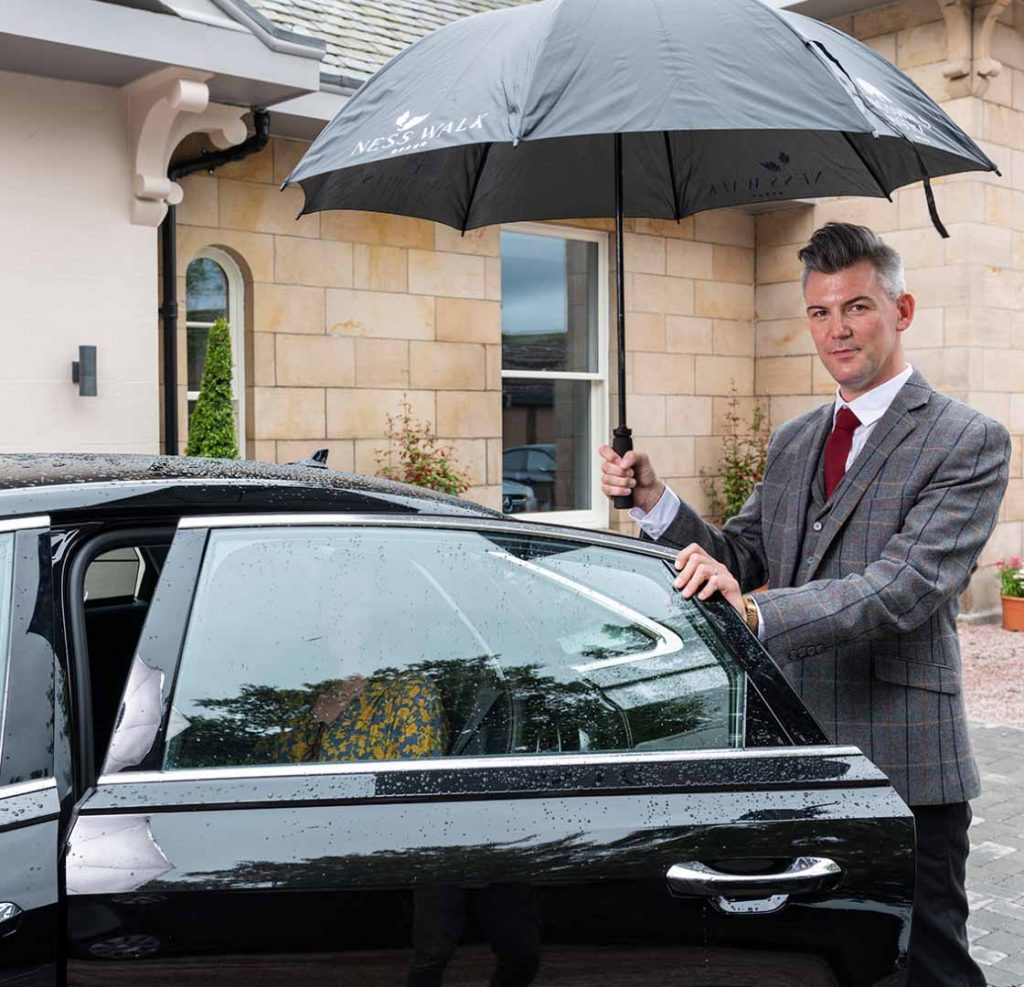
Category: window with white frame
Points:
column 554, row 367
column 214, row 289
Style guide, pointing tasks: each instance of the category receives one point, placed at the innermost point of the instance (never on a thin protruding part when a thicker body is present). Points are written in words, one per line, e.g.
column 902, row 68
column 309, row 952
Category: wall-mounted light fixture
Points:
column 83, row 371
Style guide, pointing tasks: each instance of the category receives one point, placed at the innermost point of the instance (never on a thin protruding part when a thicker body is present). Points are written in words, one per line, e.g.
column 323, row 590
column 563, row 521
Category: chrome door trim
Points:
column 27, row 787
column 468, row 522
column 24, row 523
column 502, row 761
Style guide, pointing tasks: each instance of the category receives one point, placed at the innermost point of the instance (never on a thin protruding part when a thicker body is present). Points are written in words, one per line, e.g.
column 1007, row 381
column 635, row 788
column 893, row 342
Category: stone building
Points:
column 499, row 339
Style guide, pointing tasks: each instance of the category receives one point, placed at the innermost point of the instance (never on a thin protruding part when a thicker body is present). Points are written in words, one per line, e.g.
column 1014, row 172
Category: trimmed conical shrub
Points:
column 211, row 430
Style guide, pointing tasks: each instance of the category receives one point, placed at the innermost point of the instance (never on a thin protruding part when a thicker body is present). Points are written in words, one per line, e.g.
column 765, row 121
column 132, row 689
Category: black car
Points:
column 267, row 724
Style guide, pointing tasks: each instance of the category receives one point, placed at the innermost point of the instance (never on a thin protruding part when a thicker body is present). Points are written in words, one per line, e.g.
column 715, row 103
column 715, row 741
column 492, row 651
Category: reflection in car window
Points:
column 333, row 644
column 6, row 588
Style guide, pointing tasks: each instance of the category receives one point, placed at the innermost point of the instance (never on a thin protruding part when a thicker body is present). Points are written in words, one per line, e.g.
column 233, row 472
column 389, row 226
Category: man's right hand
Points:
column 631, row 473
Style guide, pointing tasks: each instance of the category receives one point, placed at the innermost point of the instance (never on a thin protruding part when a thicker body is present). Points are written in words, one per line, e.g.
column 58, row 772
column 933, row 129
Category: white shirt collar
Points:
column 871, row 405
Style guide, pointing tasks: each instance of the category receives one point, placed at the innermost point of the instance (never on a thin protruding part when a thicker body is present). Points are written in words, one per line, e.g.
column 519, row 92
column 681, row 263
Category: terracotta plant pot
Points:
column 1013, row 613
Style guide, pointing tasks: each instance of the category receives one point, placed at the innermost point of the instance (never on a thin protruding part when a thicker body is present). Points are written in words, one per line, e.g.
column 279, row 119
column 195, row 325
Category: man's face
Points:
column 857, row 327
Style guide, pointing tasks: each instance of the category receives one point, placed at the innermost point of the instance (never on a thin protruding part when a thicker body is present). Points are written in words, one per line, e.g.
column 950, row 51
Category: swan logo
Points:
column 407, row 121
column 411, row 133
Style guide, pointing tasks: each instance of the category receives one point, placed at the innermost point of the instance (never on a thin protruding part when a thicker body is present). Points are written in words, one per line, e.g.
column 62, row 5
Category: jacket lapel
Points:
column 886, row 437
column 806, row 450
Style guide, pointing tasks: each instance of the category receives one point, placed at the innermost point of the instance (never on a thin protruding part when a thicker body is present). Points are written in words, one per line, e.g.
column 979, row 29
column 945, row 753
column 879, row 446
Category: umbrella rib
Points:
column 867, row 164
column 672, row 175
column 476, row 182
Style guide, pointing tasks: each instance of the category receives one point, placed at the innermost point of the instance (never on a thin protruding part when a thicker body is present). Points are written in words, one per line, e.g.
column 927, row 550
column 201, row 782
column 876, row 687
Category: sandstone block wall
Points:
column 348, row 312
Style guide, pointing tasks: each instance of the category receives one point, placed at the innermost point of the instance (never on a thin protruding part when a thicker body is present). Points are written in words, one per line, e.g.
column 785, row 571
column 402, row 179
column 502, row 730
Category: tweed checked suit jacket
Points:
column 861, row 608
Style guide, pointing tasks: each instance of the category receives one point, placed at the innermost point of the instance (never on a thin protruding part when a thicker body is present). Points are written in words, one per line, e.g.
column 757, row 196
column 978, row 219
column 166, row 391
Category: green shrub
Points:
column 420, row 460
column 211, row 429
column 745, row 449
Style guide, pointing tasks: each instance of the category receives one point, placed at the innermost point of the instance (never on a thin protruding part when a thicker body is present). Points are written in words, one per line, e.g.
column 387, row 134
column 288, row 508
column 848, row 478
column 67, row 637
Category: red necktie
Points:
column 837, row 448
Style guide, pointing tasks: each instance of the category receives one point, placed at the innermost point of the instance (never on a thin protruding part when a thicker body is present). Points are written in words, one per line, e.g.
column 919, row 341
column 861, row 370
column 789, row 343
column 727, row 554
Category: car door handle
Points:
column 10, row 916
column 803, row 875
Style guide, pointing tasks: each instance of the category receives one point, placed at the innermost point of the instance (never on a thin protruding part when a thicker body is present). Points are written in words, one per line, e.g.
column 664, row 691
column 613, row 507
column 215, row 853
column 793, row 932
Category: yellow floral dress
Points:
column 391, row 719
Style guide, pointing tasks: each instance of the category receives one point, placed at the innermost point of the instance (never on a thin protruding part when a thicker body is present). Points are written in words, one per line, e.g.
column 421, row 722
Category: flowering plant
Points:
column 421, row 460
column 744, row 454
column 1011, row 576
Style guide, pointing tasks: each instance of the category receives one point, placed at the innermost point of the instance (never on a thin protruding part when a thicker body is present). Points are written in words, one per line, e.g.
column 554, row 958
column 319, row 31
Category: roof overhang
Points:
column 111, row 44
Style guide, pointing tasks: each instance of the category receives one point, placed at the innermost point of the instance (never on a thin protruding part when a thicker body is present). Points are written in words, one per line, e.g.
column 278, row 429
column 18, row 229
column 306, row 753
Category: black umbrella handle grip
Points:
column 622, row 442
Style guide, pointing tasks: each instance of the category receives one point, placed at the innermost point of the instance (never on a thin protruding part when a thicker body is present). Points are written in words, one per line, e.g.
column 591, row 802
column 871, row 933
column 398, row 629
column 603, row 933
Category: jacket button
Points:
column 817, row 526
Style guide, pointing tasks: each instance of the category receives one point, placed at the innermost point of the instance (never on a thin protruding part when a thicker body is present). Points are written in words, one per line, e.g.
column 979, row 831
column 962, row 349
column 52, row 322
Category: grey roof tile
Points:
column 362, row 35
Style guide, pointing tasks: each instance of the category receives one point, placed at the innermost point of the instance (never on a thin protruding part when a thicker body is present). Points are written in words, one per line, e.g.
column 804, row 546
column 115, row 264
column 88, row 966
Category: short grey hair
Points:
column 836, row 246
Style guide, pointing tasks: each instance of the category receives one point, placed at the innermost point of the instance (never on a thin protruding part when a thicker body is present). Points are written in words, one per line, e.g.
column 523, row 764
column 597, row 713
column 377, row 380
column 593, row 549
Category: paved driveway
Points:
column 995, row 869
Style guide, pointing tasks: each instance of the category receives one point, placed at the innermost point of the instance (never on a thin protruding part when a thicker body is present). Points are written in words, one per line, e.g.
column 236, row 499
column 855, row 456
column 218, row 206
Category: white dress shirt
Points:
column 868, row 408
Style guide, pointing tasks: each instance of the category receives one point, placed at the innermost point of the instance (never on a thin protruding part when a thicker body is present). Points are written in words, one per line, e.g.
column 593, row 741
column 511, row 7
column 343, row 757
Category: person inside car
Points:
column 380, row 718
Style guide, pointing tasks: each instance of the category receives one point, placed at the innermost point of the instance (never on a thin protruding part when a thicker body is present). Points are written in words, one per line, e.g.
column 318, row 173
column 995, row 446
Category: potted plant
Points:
column 1011, row 588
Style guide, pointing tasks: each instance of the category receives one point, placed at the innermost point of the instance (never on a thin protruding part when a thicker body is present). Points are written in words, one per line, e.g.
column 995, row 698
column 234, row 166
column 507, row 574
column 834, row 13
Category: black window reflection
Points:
column 206, row 300
column 545, row 445
column 334, row 644
column 549, row 310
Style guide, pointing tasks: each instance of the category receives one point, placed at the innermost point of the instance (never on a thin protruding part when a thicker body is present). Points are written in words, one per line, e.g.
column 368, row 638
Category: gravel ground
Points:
column 993, row 673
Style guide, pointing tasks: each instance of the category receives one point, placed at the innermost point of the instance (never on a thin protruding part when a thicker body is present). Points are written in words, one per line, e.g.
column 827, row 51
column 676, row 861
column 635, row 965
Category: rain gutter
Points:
column 168, row 310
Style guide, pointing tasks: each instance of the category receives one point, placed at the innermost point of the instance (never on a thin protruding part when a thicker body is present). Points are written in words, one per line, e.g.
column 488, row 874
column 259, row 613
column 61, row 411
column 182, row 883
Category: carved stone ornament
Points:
column 164, row 108
column 971, row 66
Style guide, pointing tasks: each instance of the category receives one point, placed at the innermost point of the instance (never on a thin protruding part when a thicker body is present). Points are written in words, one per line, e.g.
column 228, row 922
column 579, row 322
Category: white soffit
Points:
column 108, row 44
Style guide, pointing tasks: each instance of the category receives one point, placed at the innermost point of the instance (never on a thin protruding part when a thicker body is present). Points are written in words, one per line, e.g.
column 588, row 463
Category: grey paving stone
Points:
column 986, row 957
column 1004, row 942
column 995, row 868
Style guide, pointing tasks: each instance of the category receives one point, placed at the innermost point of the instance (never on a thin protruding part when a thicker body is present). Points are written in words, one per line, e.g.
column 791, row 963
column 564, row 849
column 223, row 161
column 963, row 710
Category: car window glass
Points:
column 114, row 575
column 332, row 644
column 6, row 589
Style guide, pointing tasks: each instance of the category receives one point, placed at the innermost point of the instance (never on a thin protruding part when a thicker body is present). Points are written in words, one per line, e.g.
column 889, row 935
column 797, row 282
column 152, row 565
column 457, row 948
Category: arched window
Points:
column 213, row 290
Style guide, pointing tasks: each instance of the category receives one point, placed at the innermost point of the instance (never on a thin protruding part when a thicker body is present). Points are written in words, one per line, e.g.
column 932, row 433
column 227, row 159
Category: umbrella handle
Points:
column 622, row 442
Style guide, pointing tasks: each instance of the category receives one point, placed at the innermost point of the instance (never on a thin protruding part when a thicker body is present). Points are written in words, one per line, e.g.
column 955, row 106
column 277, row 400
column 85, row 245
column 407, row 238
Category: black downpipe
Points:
column 207, row 161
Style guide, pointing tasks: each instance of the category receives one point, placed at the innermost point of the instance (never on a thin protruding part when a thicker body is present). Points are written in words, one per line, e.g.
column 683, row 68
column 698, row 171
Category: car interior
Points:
column 116, row 575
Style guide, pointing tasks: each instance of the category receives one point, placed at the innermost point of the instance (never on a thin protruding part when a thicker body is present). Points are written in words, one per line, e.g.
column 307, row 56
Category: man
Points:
column 867, row 526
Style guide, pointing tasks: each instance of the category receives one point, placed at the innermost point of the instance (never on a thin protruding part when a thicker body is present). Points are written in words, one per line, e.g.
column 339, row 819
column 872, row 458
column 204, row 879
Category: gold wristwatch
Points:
column 750, row 613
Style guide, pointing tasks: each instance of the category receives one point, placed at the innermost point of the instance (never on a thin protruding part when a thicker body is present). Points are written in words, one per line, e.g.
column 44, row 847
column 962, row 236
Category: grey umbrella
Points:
column 649, row 108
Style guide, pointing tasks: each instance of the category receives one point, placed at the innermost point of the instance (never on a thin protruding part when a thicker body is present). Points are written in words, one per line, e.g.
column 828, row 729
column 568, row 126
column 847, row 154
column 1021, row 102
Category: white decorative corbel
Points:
column 164, row 108
column 971, row 66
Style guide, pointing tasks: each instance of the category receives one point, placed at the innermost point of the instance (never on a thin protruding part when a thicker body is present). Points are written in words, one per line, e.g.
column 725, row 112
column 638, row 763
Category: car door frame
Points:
column 35, row 792
column 143, row 787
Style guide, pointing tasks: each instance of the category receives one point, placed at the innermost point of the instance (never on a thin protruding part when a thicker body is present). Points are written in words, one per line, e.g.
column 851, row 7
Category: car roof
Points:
column 105, row 484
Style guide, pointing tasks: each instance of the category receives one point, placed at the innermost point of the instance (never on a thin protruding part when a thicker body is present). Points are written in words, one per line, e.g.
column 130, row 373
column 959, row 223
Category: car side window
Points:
column 6, row 589
column 365, row 644
column 114, row 575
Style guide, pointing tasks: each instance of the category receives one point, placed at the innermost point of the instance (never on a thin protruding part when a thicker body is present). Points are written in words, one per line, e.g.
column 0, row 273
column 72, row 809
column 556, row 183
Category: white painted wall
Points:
column 73, row 269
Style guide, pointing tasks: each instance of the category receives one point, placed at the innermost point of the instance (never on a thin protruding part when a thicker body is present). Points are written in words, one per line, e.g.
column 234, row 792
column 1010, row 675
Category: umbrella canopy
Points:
column 506, row 116
column 654, row 108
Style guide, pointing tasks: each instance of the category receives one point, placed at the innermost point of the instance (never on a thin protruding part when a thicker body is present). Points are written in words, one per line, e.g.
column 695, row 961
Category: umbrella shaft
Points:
column 620, row 281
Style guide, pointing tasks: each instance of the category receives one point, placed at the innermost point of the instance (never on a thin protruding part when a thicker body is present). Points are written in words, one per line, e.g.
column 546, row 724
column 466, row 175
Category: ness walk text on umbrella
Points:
column 407, row 138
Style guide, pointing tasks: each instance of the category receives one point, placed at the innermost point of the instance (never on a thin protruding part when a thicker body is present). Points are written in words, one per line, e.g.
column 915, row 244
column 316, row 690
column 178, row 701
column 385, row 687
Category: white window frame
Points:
column 597, row 516
column 236, row 322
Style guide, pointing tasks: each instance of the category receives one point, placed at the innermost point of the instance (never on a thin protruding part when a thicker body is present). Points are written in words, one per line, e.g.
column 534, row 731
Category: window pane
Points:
column 113, row 574
column 6, row 588
column 546, row 459
column 548, row 303
column 197, row 340
column 206, row 287
column 375, row 644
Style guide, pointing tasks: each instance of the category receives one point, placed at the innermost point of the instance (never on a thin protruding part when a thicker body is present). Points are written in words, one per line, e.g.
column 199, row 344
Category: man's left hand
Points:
column 698, row 571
